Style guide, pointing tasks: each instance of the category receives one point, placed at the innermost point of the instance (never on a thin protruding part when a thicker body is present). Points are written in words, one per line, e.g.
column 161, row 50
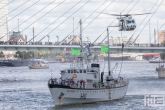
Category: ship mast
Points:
column 81, row 35
column 109, row 66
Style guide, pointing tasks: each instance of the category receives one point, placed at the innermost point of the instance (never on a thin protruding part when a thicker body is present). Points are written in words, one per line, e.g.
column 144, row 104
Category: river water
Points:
column 22, row 88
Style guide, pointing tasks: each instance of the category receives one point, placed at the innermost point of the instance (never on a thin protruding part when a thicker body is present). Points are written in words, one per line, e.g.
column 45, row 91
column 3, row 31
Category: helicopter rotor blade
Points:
column 120, row 15
column 112, row 14
column 137, row 14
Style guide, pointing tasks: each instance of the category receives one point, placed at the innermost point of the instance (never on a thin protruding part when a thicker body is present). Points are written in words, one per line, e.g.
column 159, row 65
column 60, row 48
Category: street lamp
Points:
column 57, row 38
column 87, row 39
column 112, row 40
column 48, row 38
column 18, row 25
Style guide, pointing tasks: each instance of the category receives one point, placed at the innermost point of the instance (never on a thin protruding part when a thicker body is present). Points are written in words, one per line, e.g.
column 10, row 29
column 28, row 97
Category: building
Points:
column 124, row 39
column 17, row 37
column 3, row 20
column 72, row 40
column 161, row 36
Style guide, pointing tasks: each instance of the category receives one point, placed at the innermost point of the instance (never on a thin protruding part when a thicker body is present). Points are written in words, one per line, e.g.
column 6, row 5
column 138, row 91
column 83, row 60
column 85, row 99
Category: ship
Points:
column 84, row 83
column 17, row 62
column 161, row 71
column 156, row 59
column 38, row 64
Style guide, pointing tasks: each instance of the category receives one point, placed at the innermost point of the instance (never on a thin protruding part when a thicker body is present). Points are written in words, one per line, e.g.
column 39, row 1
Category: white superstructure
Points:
column 80, row 84
column 3, row 20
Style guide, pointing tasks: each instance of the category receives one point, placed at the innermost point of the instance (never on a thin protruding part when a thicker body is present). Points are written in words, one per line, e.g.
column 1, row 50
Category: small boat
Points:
column 39, row 64
column 161, row 71
column 156, row 59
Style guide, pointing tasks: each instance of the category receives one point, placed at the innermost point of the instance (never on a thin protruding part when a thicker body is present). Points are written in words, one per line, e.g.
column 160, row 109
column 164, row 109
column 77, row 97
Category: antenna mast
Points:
column 81, row 35
column 109, row 66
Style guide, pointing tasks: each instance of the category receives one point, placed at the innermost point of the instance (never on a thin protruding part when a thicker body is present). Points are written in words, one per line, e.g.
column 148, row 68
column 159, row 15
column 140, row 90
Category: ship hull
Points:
column 157, row 61
column 67, row 96
column 36, row 67
column 161, row 72
column 15, row 63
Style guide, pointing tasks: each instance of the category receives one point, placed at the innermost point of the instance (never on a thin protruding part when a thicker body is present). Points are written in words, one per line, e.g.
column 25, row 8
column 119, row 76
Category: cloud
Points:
column 94, row 29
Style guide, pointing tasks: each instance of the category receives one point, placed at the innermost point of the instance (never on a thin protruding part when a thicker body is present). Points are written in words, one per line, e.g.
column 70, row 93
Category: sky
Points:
column 58, row 17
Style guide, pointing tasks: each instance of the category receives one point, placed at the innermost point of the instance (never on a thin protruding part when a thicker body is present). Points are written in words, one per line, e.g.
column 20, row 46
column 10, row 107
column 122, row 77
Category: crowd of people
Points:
column 69, row 82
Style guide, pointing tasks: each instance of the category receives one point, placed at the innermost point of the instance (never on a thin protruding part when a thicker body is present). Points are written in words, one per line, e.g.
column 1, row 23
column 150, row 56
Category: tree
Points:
column 162, row 56
column 2, row 54
column 25, row 55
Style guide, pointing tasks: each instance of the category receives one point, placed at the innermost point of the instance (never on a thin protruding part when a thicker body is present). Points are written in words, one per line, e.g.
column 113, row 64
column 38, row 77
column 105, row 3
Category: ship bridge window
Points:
column 74, row 71
column 128, row 21
column 68, row 71
column 80, row 71
column 133, row 21
column 63, row 71
column 71, row 71
column 84, row 71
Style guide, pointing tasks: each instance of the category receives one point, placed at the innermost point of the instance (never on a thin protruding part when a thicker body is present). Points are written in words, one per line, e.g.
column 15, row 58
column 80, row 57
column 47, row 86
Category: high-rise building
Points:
column 161, row 36
column 3, row 20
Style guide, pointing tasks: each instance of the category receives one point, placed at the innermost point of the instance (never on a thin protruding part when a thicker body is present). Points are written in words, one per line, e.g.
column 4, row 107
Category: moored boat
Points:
column 156, row 60
column 39, row 64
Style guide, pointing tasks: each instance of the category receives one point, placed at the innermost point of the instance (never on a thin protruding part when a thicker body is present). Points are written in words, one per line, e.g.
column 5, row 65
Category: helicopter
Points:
column 126, row 21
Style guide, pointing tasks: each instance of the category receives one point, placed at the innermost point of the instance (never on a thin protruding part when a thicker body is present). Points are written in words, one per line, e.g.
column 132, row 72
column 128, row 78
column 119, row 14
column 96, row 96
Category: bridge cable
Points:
column 112, row 22
column 91, row 15
column 95, row 17
column 67, row 18
column 115, row 19
column 83, row 22
column 41, row 16
column 7, row 4
column 64, row 20
column 123, row 43
column 148, row 21
column 37, row 13
column 141, row 23
column 22, row 11
column 15, row 9
column 56, row 20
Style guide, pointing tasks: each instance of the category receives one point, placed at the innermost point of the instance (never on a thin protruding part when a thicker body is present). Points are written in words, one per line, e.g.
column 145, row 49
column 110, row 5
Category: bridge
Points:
column 60, row 48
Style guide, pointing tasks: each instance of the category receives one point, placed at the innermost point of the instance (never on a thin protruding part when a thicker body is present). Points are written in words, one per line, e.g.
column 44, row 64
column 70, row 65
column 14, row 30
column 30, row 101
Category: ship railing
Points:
column 126, row 81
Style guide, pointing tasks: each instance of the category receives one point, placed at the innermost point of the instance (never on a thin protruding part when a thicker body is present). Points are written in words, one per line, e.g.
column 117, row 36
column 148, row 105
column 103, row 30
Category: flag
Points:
column 75, row 51
column 87, row 49
column 104, row 49
column 66, row 49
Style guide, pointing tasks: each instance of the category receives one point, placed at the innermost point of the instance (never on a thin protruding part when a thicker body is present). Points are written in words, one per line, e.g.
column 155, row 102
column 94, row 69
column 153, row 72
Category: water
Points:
column 25, row 89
